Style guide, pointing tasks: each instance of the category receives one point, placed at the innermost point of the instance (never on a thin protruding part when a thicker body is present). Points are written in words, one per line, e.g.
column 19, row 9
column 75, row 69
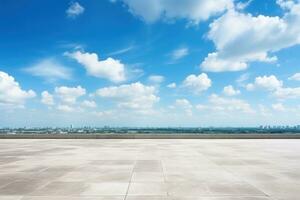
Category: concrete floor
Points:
column 149, row 169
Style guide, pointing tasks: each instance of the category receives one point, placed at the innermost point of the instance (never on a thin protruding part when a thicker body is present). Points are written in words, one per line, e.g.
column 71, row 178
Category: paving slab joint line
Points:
column 132, row 171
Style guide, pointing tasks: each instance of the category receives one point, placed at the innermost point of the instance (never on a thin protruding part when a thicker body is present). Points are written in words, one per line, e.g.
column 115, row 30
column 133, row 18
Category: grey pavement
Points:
column 153, row 169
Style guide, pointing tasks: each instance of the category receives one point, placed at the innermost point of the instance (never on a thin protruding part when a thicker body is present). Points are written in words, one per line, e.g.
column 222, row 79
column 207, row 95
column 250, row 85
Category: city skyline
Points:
column 156, row 63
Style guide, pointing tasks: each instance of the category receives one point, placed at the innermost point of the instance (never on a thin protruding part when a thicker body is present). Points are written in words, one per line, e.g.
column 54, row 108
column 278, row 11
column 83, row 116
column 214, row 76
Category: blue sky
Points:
column 149, row 63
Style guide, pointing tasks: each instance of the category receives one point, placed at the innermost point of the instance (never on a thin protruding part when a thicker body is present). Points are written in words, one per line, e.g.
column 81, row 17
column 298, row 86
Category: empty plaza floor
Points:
column 153, row 169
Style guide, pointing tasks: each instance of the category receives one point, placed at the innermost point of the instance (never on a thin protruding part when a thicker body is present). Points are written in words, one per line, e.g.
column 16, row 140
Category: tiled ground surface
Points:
column 149, row 169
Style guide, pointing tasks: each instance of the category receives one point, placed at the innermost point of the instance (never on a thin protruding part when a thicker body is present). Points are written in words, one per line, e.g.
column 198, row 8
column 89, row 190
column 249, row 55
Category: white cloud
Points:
column 65, row 108
column 74, row 10
column 192, row 10
column 213, row 63
column 89, row 104
column 275, row 86
column 133, row 96
column 67, row 99
column 295, row 77
column 243, row 5
column 242, row 79
column 11, row 93
column 287, row 93
column 69, row 95
column 171, row 85
column 286, row 4
column 50, row 69
column 185, row 105
column 270, row 83
column 278, row 107
column 255, row 36
column 221, row 104
column 250, row 86
column 179, row 53
column 229, row 103
column 230, row 91
column 156, row 79
column 122, row 51
column 110, row 68
column 197, row 84
column 47, row 98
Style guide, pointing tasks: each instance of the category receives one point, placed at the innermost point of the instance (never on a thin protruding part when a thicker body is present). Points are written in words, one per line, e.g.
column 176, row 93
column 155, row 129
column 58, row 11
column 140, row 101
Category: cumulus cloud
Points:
column 110, row 68
column 229, row 104
column 50, row 69
column 74, row 10
column 11, row 93
column 47, row 98
column 132, row 96
column 192, row 10
column 179, row 53
column 197, row 84
column 156, row 79
column 65, row 108
column 295, row 77
column 69, row 95
column 286, row 4
column 230, row 91
column 270, row 83
column 213, row 63
column 172, row 85
column 255, row 36
column 275, row 86
column 185, row 105
column 287, row 93
column 66, row 99
column 89, row 104
column 217, row 103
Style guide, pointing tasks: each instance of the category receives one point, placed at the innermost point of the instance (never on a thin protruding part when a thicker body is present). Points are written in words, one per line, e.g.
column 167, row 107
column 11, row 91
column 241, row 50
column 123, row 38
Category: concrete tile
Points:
column 112, row 162
column 286, row 197
column 185, row 189
column 35, row 169
column 10, row 197
column 147, row 188
column 106, row 168
column 148, row 166
column 6, row 179
column 108, row 188
column 147, row 177
column 279, row 188
column 60, row 189
column 238, row 189
column 204, row 176
column 21, row 187
column 112, row 176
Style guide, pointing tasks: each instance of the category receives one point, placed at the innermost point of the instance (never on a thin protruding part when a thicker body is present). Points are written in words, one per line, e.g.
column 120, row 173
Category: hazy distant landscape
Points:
column 173, row 130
